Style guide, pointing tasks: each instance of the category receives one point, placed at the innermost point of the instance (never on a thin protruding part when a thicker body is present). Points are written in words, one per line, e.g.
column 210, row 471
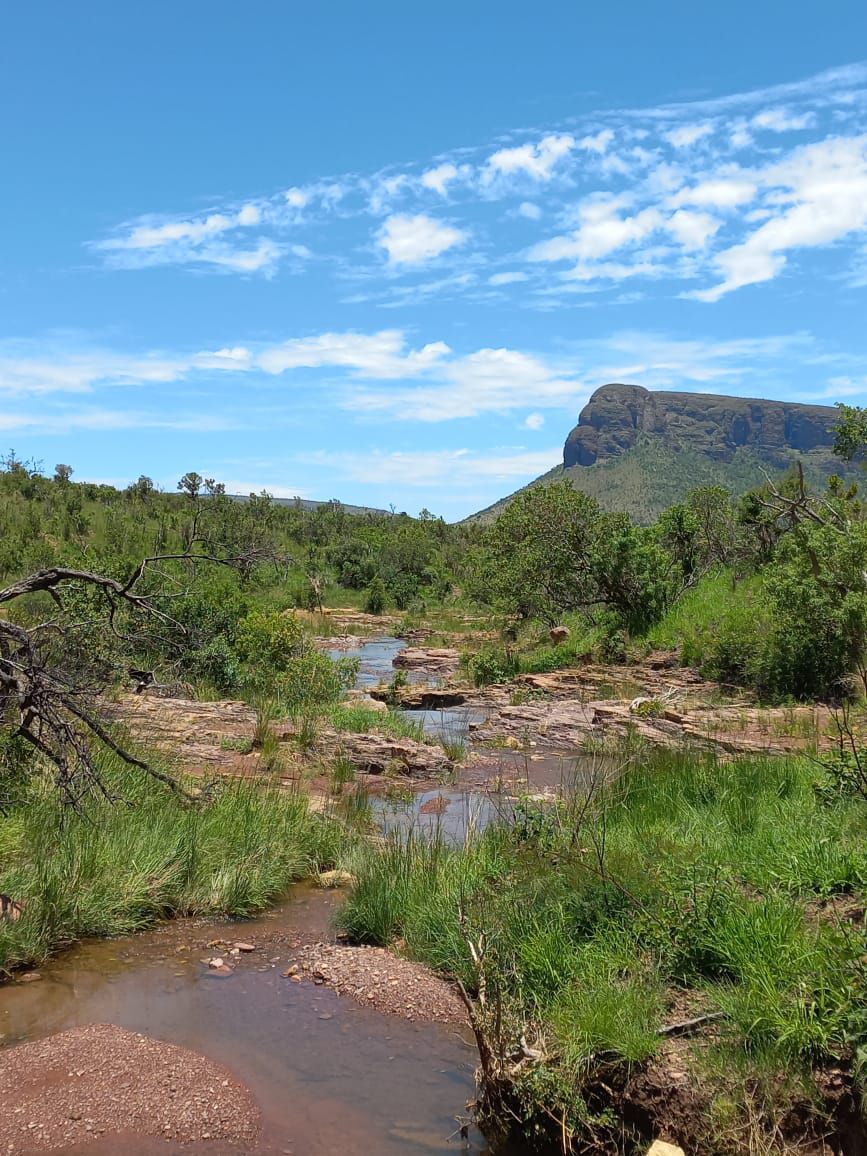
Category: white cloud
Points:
column 536, row 161
column 262, row 259
column 717, row 193
column 296, row 198
column 154, row 236
column 686, row 135
column 692, row 230
column 440, row 177
column 414, row 240
column 818, row 196
column 382, row 354
column 63, row 422
column 740, row 136
column 487, row 381
column 386, row 190
column 534, row 420
column 601, row 230
column 507, row 278
column 448, row 468
column 245, row 486
column 781, row 120
column 250, row 215
column 597, row 142
column 661, row 191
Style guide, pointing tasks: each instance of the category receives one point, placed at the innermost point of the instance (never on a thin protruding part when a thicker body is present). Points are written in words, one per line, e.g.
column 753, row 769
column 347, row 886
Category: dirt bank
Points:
column 101, row 1080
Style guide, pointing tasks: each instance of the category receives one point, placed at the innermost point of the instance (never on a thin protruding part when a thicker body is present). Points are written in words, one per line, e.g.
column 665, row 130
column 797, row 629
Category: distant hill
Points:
column 310, row 504
column 642, row 451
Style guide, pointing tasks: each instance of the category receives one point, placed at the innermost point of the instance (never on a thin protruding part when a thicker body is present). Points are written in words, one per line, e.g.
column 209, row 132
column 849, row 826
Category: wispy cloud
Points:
column 708, row 196
column 450, row 469
column 385, row 375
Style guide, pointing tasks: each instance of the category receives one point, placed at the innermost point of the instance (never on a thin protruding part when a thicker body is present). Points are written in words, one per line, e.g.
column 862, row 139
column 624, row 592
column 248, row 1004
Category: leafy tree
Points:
column 552, row 550
column 191, row 484
column 850, row 436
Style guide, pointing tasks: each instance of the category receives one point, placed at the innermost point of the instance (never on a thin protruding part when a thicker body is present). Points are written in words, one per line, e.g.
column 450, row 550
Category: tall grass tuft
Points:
column 121, row 866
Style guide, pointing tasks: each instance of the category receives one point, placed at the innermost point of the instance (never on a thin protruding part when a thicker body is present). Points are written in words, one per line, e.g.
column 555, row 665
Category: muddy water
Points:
column 332, row 1078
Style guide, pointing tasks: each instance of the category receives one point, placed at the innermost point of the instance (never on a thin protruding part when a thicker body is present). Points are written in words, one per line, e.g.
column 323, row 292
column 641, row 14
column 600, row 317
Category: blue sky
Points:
column 385, row 251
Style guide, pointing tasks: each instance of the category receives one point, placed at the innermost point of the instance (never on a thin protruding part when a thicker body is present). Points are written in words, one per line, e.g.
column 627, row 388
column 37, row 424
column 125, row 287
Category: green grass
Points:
column 713, row 608
column 121, row 866
column 361, row 720
column 687, row 873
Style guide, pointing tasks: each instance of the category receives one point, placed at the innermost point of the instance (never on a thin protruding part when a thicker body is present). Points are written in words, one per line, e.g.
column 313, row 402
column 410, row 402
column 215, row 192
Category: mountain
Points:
column 641, row 451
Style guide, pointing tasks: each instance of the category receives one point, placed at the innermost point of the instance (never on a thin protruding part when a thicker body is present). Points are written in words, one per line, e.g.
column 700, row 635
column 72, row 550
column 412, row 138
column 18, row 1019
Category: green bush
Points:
column 313, row 681
column 490, row 666
column 374, row 597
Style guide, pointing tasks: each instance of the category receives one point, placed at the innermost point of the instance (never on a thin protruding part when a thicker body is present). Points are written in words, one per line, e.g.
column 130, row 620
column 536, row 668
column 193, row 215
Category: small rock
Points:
column 30, row 977
column 290, row 971
column 222, row 972
column 245, row 946
column 663, row 1148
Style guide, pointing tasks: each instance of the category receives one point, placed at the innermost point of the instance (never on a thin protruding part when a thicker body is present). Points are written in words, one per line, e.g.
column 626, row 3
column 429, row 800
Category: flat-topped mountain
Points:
column 616, row 416
column 642, row 450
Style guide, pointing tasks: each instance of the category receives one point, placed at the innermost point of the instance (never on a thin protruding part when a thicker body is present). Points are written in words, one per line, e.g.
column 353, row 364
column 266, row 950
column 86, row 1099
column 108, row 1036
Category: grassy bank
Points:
column 690, row 888
column 122, row 865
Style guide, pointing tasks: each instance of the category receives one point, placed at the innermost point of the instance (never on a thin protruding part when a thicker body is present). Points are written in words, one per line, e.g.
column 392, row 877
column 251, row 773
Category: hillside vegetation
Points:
column 651, row 476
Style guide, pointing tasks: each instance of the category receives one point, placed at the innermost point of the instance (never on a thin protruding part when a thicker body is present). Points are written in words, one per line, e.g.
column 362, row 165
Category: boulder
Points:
column 663, row 1148
column 559, row 634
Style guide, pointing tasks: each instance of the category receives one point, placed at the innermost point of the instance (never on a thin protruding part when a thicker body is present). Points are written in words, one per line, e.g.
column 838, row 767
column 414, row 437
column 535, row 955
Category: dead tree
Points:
column 49, row 698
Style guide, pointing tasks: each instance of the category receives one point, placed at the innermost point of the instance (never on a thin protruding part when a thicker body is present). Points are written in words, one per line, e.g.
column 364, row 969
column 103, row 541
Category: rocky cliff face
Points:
column 617, row 415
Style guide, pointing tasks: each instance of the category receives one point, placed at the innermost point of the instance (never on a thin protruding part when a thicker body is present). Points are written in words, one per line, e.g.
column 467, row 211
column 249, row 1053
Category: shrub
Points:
column 312, row 681
column 374, row 598
column 490, row 666
column 268, row 640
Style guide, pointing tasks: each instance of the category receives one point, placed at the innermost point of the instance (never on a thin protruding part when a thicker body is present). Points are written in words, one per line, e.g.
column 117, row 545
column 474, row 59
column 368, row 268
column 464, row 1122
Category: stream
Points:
column 332, row 1078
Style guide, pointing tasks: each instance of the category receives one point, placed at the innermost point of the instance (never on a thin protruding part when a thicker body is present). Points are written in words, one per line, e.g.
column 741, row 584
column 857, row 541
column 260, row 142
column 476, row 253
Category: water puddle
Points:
column 565, row 772
column 445, row 814
column 452, row 723
column 332, row 1078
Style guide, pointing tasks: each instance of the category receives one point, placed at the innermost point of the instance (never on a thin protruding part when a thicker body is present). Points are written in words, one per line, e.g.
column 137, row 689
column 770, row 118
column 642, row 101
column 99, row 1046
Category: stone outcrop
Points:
column 617, row 415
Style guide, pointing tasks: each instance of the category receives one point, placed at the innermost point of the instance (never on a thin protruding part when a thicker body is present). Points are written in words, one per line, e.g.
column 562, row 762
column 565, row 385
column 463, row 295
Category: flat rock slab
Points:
column 102, row 1080
column 377, row 754
column 439, row 660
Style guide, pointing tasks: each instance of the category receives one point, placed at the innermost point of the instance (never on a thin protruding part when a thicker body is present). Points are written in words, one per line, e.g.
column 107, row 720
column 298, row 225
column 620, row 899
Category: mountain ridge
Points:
column 643, row 450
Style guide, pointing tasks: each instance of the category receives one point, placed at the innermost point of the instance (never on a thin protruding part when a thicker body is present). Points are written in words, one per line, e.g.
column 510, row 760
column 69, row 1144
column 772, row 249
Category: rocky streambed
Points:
column 534, row 735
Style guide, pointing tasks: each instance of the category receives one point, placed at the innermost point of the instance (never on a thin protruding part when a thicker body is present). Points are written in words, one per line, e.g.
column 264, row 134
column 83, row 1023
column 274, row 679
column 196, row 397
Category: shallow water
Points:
column 376, row 657
column 332, row 1078
column 443, row 813
column 453, row 723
